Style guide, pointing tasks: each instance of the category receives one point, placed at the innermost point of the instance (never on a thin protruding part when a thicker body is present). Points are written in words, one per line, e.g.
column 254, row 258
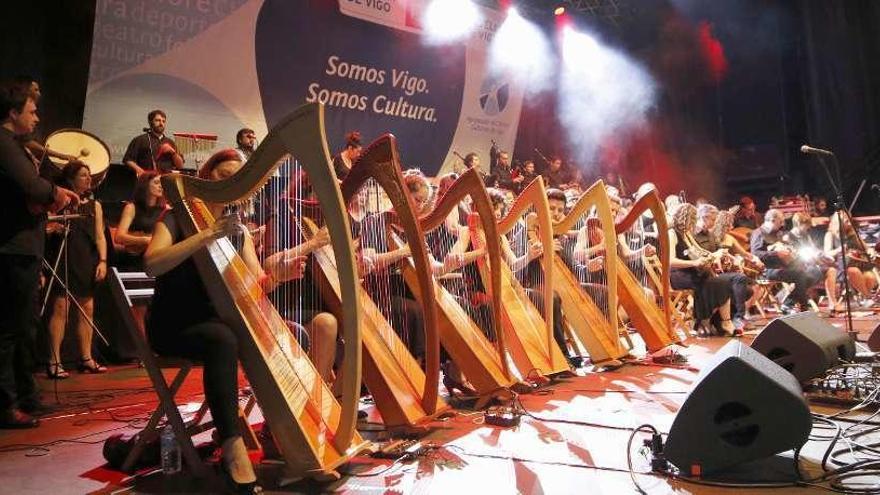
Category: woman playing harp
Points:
column 183, row 322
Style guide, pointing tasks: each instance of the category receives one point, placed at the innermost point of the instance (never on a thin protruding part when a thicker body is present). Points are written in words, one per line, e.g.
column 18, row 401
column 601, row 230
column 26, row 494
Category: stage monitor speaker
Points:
column 874, row 339
column 804, row 344
column 742, row 407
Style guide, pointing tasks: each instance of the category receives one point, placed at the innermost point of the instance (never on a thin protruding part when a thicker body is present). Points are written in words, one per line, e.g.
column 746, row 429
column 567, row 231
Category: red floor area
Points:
column 539, row 456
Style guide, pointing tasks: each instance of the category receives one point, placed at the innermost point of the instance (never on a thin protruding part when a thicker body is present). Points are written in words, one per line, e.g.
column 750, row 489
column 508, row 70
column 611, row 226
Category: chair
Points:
column 183, row 430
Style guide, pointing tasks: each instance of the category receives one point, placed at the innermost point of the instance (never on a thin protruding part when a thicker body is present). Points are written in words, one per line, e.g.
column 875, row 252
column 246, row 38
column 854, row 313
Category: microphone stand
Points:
column 840, row 206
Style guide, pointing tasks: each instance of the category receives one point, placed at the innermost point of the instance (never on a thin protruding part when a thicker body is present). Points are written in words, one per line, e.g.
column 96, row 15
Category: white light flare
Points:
column 602, row 93
column 448, row 21
column 521, row 50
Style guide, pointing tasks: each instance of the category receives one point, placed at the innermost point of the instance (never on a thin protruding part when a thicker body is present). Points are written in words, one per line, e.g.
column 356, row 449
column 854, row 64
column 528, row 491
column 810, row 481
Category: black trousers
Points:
column 20, row 273
column 215, row 345
column 558, row 326
column 742, row 290
column 803, row 279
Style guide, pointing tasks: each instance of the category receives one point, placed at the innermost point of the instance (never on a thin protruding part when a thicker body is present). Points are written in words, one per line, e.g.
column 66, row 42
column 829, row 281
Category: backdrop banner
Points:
column 215, row 66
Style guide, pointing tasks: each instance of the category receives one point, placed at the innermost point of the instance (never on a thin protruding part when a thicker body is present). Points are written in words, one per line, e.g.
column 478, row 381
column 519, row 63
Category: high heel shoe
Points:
column 701, row 328
column 56, row 372
column 728, row 330
column 452, row 385
column 94, row 369
column 249, row 488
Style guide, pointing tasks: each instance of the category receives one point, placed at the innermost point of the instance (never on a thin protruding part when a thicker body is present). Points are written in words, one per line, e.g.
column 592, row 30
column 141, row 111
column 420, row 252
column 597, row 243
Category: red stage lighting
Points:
column 559, row 11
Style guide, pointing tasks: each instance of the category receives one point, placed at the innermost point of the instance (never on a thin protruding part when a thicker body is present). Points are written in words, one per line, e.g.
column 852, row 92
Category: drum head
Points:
column 83, row 145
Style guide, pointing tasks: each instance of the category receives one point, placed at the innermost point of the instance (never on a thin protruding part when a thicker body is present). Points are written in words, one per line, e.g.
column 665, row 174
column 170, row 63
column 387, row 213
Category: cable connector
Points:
column 658, row 459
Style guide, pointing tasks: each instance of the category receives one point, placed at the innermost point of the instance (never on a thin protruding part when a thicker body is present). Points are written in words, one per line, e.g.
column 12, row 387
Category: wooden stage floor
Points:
column 538, row 457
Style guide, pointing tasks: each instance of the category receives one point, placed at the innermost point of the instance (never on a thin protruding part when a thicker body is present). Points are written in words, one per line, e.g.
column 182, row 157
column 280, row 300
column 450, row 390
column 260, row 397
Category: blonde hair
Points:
column 684, row 217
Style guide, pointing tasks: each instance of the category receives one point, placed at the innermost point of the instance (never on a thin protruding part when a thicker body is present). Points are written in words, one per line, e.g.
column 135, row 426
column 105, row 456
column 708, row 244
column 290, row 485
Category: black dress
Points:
column 144, row 221
column 709, row 292
column 79, row 261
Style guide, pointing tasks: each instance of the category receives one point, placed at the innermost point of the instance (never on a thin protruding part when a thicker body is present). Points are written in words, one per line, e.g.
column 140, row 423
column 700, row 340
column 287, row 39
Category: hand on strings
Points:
column 321, row 238
column 453, row 261
column 557, row 245
column 596, row 264
column 225, row 226
column 650, row 250
column 62, row 199
column 292, row 268
column 535, row 250
column 366, row 261
column 101, row 271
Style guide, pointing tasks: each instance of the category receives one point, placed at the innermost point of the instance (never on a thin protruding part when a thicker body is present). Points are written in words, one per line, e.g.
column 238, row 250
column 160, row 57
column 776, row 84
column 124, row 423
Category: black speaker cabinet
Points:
column 804, row 344
column 874, row 339
column 742, row 407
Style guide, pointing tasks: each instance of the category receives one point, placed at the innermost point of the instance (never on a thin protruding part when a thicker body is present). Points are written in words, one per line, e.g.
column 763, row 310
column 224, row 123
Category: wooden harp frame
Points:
column 396, row 390
column 304, row 424
column 464, row 341
column 598, row 332
column 550, row 360
column 653, row 323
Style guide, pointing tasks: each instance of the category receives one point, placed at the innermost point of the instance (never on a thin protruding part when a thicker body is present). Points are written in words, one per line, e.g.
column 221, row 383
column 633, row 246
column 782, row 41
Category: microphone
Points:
column 815, row 151
column 145, row 129
column 875, row 187
column 456, row 153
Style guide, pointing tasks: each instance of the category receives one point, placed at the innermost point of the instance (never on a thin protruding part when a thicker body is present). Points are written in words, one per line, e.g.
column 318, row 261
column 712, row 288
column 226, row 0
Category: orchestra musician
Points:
column 500, row 172
column 139, row 216
column 85, row 265
column 343, row 160
column 24, row 197
column 859, row 264
column 182, row 321
column 245, row 142
column 30, row 141
column 747, row 214
column 557, row 175
column 688, row 271
column 743, row 286
column 768, row 245
column 153, row 150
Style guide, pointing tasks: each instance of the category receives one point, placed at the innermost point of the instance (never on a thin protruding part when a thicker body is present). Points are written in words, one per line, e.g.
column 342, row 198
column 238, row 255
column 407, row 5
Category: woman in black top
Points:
column 711, row 293
column 182, row 321
column 82, row 266
column 140, row 215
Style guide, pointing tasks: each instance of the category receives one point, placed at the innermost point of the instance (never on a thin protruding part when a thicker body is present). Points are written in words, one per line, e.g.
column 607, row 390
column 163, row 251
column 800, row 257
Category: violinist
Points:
column 153, row 150
column 859, row 267
column 500, row 173
column 768, row 244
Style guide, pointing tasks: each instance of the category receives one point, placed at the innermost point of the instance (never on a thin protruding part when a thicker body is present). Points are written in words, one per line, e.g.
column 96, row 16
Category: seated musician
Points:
column 743, row 286
column 768, row 245
column 298, row 300
column 528, row 174
column 860, row 268
column 711, row 293
column 557, row 175
column 182, row 321
column 139, row 216
column 747, row 214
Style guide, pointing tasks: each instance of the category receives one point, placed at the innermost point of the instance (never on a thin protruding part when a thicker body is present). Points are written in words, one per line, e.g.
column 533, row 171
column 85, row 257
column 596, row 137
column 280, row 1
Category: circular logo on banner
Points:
column 494, row 94
column 370, row 77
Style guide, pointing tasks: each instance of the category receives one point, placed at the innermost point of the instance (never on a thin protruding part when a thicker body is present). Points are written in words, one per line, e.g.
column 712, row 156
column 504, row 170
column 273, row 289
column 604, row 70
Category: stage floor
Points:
column 64, row 455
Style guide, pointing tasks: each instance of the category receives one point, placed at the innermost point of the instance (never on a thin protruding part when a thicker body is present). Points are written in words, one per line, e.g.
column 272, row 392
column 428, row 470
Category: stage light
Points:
column 559, row 11
column 447, row 21
column 519, row 49
column 602, row 93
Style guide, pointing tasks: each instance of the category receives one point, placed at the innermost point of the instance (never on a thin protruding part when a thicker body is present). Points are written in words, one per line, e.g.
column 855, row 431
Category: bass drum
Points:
column 84, row 146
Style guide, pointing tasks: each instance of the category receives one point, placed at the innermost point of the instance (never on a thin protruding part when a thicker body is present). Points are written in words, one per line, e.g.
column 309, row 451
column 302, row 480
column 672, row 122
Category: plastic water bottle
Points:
column 170, row 451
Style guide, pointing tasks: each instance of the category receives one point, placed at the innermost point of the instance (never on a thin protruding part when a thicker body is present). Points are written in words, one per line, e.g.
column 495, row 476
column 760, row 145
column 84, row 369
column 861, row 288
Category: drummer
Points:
column 153, row 150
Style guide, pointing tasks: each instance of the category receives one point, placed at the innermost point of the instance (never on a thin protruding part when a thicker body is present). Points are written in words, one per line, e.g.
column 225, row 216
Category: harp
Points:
column 528, row 331
column 585, row 275
column 650, row 313
column 405, row 394
column 314, row 432
column 482, row 359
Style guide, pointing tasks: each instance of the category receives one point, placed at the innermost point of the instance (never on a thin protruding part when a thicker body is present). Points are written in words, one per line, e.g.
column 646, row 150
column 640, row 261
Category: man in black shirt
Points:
column 23, row 198
column 245, row 141
column 501, row 175
column 153, row 150
column 556, row 175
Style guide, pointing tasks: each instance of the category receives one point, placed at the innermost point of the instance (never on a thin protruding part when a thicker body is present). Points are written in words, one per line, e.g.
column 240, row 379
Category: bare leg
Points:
column 85, row 332
column 323, row 330
column 57, row 324
column 831, row 288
